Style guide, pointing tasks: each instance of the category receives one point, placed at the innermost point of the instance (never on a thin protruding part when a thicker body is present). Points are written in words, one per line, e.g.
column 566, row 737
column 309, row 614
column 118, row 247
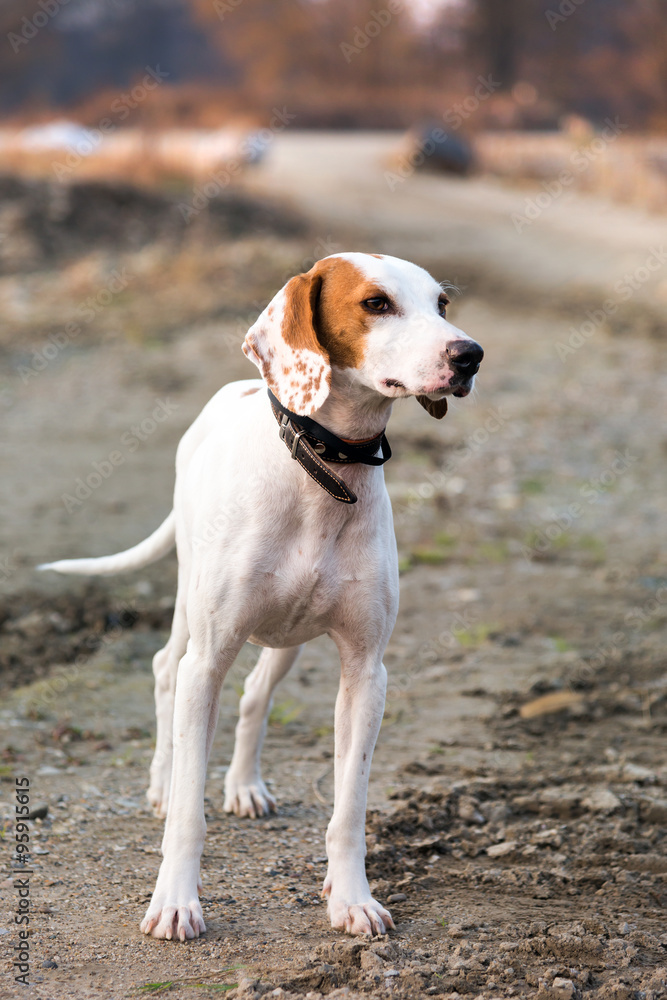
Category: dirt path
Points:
column 522, row 855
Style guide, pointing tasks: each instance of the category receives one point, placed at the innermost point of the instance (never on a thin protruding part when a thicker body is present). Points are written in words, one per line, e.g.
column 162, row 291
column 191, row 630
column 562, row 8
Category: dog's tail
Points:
column 150, row 550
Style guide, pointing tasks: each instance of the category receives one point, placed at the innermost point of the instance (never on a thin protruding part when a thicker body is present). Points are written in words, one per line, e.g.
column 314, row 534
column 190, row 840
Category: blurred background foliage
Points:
column 337, row 63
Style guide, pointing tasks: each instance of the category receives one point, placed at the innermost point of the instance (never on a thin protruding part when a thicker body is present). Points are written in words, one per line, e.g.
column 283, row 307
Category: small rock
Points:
column 469, row 810
column 370, row 962
column 246, row 986
column 385, row 949
column 39, row 812
column 602, row 800
column 502, row 850
column 548, row 838
column 564, row 988
column 49, row 964
column 496, row 812
column 653, row 810
column 397, row 897
column 639, row 774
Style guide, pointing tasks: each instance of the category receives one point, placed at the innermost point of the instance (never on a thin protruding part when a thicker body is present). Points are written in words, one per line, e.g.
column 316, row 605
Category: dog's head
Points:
column 380, row 317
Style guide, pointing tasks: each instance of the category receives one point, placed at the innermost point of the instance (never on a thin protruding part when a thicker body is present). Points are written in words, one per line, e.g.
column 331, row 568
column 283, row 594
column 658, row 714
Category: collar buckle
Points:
column 282, row 431
column 295, row 442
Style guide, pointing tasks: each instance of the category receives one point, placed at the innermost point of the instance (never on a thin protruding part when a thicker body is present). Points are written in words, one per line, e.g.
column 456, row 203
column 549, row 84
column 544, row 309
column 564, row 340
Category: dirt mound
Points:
column 39, row 632
column 44, row 223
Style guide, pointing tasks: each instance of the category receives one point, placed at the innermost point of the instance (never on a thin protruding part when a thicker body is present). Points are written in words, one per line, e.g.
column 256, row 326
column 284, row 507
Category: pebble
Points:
column 397, row 897
column 602, row 800
column 469, row 810
column 370, row 962
column 639, row 774
column 563, row 987
column 502, row 850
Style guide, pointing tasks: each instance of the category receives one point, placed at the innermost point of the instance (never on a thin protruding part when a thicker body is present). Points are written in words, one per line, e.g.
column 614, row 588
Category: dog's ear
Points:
column 283, row 343
column 436, row 407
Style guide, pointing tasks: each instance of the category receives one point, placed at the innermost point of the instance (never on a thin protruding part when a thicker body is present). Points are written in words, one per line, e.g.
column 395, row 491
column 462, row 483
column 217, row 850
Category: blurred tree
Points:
column 344, row 62
column 497, row 30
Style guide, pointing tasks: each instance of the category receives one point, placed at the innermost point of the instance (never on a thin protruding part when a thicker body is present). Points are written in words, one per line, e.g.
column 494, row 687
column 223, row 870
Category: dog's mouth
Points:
column 460, row 390
column 393, row 388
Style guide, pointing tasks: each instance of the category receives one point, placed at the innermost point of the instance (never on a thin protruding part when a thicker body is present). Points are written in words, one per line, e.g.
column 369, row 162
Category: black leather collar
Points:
column 311, row 445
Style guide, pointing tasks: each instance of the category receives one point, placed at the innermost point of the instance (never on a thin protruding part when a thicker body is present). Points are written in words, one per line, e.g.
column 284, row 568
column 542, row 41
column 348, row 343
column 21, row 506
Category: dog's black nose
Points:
column 465, row 356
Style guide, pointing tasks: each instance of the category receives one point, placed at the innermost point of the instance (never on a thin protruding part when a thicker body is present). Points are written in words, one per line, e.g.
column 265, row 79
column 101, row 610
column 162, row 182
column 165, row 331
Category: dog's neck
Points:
column 353, row 411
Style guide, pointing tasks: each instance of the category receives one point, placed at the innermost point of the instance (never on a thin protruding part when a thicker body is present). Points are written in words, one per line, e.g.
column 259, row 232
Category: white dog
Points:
column 284, row 532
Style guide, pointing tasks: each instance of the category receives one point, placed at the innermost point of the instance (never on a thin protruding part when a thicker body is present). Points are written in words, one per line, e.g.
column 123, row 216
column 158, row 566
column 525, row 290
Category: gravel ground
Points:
column 518, row 799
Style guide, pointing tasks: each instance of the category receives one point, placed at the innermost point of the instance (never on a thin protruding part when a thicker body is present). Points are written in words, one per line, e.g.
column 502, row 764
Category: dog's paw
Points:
column 159, row 783
column 250, row 798
column 158, row 798
column 369, row 917
column 364, row 916
column 176, row 918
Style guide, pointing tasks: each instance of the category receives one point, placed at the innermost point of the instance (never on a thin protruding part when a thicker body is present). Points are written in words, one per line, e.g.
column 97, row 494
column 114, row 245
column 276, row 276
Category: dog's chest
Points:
column 296, row 599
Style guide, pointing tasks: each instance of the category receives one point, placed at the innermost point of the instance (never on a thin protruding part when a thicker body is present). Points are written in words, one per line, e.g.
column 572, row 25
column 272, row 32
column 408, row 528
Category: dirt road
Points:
column 520, row 846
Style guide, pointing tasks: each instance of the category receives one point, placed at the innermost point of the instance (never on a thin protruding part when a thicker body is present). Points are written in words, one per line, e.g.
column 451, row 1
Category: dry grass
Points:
column 628, row 169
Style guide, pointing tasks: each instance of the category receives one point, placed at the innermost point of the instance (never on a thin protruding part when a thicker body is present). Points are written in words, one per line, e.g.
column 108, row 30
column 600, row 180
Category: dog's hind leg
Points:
column 165, row 668
column 245, row 792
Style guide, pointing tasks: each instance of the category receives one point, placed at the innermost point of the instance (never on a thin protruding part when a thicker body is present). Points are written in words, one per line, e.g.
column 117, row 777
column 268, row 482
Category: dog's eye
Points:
column 378, row 304
column 442, row 307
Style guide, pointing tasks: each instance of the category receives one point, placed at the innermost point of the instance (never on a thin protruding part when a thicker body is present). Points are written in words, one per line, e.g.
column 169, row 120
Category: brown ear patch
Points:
column 297, row 328
column 341, row 321
column 436, row 407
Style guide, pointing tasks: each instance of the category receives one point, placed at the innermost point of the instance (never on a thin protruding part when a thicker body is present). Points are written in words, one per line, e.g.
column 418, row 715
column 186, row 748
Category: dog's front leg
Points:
column 359, row 711
column 175, row 910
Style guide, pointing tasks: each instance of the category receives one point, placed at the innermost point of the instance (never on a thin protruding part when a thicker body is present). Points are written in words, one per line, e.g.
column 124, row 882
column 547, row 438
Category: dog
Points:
column 284, row 532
